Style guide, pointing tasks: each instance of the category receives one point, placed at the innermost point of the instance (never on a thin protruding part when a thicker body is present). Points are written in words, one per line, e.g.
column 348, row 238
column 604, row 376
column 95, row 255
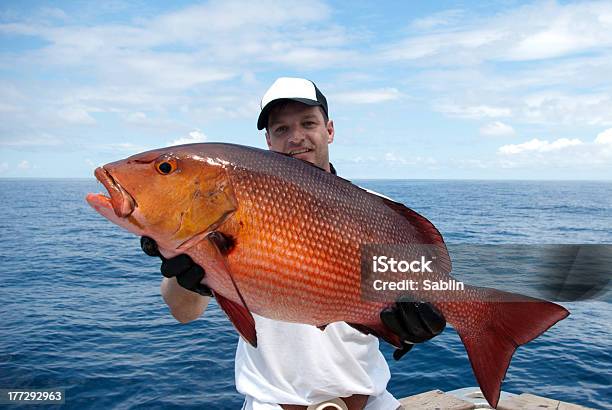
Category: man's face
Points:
column 300, row 131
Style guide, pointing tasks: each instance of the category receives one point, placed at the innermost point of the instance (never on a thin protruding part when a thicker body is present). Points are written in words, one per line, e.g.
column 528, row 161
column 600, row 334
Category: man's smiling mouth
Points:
column 299, row 151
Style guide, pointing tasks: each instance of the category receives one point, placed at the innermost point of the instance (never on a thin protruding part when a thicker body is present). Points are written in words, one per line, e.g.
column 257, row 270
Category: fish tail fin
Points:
column 507, row 322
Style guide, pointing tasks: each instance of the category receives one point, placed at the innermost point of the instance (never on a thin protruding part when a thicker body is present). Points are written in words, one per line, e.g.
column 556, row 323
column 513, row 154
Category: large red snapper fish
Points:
column 291, row 249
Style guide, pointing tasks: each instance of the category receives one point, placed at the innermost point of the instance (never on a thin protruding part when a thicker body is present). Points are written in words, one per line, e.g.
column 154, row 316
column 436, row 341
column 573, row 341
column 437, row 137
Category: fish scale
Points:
column 334, row 229
column 297, row 234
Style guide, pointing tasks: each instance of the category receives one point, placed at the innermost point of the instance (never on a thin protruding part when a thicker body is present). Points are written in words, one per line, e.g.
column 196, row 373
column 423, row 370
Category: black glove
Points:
column 188, row 274
column 413, row 322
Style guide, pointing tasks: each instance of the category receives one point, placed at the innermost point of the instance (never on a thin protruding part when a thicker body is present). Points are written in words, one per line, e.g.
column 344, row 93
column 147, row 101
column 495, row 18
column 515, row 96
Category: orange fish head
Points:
column 173, row 195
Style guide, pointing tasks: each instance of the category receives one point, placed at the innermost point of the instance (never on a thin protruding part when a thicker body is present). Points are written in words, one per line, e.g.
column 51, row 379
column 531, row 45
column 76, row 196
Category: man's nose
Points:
column 296, row 137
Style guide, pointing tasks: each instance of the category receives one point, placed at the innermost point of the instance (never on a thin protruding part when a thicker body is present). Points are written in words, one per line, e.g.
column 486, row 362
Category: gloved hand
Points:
column 188, row 274
column 414, row 322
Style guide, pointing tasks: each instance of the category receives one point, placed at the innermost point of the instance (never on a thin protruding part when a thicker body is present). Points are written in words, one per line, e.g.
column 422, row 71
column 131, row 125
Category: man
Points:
column 297, row 365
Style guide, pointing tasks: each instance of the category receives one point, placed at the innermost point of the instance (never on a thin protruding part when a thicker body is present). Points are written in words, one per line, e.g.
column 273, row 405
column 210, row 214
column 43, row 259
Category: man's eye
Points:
column 280, row 130
column 309, row 124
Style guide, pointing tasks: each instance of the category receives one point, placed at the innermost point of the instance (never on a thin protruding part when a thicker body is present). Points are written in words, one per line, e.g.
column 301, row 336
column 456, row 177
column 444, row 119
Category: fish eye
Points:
column 165, row 165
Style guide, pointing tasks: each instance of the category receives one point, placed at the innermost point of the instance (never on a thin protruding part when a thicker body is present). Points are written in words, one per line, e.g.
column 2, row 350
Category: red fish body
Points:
column 293, row 237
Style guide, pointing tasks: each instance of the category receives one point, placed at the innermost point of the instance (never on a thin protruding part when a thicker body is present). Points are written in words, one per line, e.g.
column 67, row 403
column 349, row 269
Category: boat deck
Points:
column 471, row 398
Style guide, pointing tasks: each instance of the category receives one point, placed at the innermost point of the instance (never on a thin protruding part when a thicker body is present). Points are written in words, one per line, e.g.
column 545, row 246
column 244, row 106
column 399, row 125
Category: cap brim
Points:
column 262, row 121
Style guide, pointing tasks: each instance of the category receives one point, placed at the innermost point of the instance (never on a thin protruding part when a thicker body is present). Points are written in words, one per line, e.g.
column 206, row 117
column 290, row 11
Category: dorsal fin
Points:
column 417, row 220
column 422, row 224
column 430, row 235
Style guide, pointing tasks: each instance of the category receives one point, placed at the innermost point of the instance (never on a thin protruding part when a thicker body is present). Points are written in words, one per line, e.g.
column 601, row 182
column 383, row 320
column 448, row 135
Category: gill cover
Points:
column 211, row 202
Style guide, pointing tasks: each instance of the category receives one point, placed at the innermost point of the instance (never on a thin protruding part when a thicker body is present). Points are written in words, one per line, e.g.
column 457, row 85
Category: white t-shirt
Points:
column 300, row 364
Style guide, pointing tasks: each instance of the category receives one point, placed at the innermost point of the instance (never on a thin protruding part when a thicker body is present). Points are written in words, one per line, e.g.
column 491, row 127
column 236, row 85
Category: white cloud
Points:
column 4, row 166
column 571, row 91
column 392, row 159
column 359, row 159
column 53, row 12
column 177, row 60
column 231, row 16
column 561, row 153
column 236, row 34
column 557, row 107
column 124, row 148
column 153, row 123
column 466, row 63
column 436, row 20
column 119, row 98
column 471, row 163
column 165, row 72
column 170, row 70
column 536, row 31
column 76, row 115
column 44, row 140
column 395, row 159
column 475, row 99
column 311, row 57
column 474, row 112
column 572, row 28
column 440, row 44
column 539, row 146
column 368, row 96
column 604, row 137
column 497, row 129
column 136, row 118
column 9, row 108
column 24, row 165
column 193, row 137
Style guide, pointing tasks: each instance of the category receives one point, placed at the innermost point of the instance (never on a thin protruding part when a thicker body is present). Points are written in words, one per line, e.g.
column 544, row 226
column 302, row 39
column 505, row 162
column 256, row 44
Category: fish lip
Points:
column 123, row 203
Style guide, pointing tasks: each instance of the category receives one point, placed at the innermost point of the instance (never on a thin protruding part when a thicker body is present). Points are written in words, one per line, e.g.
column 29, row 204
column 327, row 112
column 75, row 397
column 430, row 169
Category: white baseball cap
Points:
column 290, row 88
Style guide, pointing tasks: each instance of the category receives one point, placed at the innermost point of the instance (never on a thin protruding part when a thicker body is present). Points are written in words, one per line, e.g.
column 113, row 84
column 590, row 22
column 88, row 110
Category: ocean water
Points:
column 80, row 307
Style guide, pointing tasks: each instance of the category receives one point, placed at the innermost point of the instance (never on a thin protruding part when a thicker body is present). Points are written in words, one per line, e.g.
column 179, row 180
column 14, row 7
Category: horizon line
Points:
column 363, row 179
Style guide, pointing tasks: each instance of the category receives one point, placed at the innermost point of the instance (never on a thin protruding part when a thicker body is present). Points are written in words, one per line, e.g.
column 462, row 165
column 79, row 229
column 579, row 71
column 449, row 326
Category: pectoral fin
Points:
column 240, row 317
column 238, row 313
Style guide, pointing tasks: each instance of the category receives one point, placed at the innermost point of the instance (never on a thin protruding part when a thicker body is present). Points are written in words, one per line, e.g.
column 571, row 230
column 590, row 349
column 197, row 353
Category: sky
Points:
column 433, row 90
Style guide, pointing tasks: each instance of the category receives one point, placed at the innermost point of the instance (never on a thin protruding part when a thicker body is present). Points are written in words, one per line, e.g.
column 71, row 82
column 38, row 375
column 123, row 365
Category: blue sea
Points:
column 80, row 307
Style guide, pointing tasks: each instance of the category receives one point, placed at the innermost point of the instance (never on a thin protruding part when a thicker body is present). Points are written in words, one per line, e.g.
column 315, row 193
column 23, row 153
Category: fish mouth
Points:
column 122, row 202
column 299, row 151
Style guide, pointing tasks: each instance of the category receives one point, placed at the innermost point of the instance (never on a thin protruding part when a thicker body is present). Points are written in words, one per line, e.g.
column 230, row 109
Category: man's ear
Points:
column 330, row 131
column 268, row 140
